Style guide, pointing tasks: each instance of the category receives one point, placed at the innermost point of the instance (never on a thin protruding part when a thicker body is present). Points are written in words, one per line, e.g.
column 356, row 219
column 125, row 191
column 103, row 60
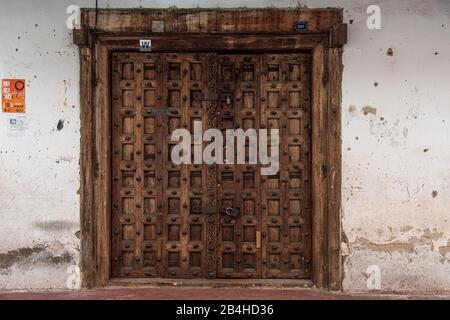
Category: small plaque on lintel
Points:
column 301, row 26
column 145, row 45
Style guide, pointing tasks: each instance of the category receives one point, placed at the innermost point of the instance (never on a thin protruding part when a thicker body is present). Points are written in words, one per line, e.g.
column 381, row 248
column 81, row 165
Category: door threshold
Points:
column 215, row 283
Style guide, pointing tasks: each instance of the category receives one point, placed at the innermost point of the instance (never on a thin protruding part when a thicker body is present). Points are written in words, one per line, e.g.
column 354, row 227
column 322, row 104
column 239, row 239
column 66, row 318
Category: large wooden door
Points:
column 158, row 216
column 272, row 236
column 168, row 220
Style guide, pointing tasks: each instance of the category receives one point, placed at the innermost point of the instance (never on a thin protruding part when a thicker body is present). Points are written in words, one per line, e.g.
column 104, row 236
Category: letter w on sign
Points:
column 145, row 45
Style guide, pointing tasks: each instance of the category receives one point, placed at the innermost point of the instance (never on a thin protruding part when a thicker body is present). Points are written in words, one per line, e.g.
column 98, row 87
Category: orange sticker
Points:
column 13, row 95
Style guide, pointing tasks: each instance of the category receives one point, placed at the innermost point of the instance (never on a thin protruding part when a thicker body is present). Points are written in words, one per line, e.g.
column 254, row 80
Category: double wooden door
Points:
column 169, row 220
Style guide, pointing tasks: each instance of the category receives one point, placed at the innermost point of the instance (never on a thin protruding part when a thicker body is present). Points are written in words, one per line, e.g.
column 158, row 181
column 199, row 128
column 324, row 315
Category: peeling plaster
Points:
column 55, row 225
column 410, row 252
column 421, row 270
column 428, row 237
column 369, row 110
column 25, row 257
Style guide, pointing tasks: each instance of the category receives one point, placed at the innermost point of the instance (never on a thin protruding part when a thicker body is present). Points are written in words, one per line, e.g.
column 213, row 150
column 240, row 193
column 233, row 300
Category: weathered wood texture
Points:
column 215, row 43
column 87, row 193
column 159, row 208
column 334, row 162
column 338, row 35
column 159, row 227
column 211, row 20
column 271, row 236
column 319, row 165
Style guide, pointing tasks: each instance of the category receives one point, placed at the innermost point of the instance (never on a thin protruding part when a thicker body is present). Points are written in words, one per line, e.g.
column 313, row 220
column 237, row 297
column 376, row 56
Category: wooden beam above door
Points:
column 265, row 20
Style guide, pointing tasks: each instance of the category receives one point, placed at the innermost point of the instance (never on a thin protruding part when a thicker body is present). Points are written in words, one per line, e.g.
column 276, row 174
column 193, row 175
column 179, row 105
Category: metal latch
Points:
column 232, row 212
column 258, row 239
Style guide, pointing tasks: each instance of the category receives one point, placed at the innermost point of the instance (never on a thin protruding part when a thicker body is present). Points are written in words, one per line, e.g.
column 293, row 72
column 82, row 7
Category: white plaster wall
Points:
column 390, row 217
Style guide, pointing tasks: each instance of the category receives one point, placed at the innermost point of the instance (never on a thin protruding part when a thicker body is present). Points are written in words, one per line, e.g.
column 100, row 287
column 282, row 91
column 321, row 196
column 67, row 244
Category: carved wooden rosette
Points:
column 211, row 172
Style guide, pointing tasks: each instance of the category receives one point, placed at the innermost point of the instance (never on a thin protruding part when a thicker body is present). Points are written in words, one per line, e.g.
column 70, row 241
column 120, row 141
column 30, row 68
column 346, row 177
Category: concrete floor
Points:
column 187, row 293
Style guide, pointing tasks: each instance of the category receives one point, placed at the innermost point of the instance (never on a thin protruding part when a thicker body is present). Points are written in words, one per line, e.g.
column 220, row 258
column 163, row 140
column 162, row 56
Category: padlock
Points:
column 232, row 212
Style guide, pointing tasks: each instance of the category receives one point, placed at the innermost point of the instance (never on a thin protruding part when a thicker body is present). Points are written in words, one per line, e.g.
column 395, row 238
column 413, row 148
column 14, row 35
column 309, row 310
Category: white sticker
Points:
column 17, row 126
column 145, row 45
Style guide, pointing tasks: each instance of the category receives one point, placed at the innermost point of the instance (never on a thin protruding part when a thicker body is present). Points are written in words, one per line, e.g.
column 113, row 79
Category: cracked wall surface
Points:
column 395, row 152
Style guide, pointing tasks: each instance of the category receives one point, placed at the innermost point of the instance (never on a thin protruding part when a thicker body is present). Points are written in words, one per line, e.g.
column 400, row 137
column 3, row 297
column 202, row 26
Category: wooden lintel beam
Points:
column 338, row 35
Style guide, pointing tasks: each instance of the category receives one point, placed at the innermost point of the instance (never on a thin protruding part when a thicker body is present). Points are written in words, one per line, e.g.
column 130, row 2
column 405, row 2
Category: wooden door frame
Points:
column 210, row 30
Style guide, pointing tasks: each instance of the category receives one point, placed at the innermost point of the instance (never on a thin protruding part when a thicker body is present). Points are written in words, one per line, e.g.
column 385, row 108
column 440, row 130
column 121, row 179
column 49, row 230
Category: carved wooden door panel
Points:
column 159, row 209
column 286, row 197
column 271, row 238
column 239, row 243
column 168, row 220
